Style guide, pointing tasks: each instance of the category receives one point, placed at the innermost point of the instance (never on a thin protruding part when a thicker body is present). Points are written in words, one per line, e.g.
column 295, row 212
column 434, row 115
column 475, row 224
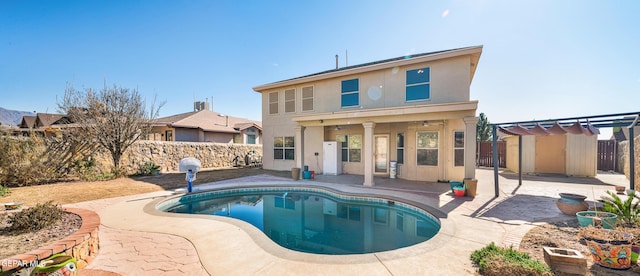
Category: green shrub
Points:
column 35, row 218
column 86, row 169
column 627, row 211
column 4, row 190
column 493, row 260
column 149, row 168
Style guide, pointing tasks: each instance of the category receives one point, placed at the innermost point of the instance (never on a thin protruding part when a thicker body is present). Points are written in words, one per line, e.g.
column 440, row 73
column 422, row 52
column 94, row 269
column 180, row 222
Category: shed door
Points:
column 551, row 154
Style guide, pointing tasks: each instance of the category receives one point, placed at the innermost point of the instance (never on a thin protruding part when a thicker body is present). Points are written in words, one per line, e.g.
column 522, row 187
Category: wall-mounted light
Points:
column 321, row 121
column 337, row 128
column 425, row 123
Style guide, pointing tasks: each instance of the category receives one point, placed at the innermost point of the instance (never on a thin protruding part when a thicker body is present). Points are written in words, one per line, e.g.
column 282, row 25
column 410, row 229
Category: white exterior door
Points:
column 381, row 154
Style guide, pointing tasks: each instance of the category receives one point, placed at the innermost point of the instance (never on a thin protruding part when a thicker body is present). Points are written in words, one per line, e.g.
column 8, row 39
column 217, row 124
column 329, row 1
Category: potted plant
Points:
column 635, row 243
column 609, row 248
column 626, row 210
column 570, row 204
column 597, row 218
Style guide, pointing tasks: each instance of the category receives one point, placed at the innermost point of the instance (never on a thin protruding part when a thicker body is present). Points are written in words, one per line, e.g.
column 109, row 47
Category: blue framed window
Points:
column 350, row 92
column 418, row 84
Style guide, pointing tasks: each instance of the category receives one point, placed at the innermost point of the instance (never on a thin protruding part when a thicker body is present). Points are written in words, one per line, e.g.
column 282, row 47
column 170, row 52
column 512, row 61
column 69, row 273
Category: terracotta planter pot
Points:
column 614, row 255
column 570, row 204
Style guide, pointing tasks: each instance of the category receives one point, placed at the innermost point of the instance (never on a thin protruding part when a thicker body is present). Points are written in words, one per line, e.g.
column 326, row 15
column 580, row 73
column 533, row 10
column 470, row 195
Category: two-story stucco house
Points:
column 414, row 110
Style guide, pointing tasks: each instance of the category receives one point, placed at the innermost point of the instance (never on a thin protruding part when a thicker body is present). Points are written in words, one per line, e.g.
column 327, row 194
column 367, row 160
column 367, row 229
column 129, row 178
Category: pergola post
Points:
column 494, row 133
column 632, row 161
column 519, row 160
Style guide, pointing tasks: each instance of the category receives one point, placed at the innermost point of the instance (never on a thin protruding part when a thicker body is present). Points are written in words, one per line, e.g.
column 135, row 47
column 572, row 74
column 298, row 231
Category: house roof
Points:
column 47, row 119
column 474, row 51
column 28, row 122
column 208, row 121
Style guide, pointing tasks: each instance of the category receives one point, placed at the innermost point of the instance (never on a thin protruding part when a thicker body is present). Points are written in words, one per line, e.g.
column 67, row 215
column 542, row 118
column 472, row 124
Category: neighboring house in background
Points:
column 622, row 133
column 46, row 124
column 206, row 126
column 415, row 110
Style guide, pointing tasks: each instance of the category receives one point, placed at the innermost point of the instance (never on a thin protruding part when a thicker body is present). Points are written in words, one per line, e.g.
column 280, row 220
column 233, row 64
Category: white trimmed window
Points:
column 427, row 148
column 284, row 148
column 458, row 148
column 307, row 98
column 400, row 147
column 273, row 103
column 290, row 100
column 351, row 147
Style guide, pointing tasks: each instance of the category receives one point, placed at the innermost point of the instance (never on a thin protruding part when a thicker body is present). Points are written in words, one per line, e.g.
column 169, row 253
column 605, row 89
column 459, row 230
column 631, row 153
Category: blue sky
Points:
column 541, row 59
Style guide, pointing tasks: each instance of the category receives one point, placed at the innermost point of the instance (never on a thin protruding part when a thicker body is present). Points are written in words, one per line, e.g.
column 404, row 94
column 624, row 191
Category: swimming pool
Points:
column 316, row 220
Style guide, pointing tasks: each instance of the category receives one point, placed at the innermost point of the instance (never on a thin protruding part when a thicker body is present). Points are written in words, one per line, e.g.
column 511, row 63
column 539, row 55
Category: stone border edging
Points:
column 83, row 245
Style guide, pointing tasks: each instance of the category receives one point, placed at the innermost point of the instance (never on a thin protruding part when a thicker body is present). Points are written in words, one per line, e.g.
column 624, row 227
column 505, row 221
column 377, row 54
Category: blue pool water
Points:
column 315, row 220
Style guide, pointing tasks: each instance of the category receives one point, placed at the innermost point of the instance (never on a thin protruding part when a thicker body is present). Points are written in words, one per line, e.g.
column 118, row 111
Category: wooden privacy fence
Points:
column 607, row 155
column 484, row 154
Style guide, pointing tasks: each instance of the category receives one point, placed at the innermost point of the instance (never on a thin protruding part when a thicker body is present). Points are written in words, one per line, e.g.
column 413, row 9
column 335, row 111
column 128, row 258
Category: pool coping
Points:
column 261, row 239
column 225, row 245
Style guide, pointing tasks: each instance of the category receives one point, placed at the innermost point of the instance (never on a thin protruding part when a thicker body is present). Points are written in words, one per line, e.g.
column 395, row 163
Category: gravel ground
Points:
column 13, row 244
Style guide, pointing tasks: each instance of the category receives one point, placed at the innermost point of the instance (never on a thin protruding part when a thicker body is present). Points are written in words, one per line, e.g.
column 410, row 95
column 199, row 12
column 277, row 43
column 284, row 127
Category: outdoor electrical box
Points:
column 332, row 158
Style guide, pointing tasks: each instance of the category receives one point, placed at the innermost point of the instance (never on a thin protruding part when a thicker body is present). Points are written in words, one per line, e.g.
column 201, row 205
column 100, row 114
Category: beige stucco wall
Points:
column 450, row 80
column 449, row 83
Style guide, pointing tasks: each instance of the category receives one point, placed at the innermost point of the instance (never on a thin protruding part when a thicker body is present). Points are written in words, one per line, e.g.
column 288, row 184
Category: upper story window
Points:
column 273, row 103
column 290, row 100
column 307, row 98
column 350, row 93
column 418, row 84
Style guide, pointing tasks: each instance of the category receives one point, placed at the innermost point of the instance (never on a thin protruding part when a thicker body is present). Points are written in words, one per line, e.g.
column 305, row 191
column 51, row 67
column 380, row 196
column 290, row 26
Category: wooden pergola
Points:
column 587, row 125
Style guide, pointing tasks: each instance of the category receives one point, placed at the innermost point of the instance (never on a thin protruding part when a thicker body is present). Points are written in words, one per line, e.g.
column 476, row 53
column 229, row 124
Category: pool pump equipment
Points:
column 190, row 166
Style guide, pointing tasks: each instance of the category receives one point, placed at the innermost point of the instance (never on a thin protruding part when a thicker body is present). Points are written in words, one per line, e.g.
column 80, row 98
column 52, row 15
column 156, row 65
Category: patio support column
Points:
column 299, row 144
column 494, row 133
column 470, row 124
column 367, row 155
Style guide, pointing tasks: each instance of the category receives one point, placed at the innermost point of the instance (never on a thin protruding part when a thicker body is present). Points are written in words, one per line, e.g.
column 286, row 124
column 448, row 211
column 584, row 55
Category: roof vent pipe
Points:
column 336, row 61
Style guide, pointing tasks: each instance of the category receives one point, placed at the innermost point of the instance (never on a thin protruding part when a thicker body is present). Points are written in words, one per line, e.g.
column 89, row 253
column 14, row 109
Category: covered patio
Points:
column 586, row 125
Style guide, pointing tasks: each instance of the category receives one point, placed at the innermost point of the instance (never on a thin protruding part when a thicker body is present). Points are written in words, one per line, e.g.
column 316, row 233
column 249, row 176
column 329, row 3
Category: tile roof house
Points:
column 412, row 111
column 47, row 124
column 207, row 126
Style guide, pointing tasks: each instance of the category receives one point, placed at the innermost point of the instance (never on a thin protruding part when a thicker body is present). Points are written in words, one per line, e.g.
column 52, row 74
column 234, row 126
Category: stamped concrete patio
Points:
column 137, row 240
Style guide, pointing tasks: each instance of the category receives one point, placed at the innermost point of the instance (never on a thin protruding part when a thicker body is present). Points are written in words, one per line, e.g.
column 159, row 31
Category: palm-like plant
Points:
column 627, row 211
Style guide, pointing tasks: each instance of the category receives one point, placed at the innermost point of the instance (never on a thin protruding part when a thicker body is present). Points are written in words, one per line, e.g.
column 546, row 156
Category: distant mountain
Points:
column 12, row 117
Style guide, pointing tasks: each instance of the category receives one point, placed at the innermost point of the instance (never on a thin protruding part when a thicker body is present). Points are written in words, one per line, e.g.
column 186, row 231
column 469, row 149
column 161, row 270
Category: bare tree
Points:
column 114, row 117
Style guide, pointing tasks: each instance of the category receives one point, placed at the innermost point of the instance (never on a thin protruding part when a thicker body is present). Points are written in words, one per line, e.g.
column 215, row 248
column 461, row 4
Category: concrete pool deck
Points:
column 137, row 240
